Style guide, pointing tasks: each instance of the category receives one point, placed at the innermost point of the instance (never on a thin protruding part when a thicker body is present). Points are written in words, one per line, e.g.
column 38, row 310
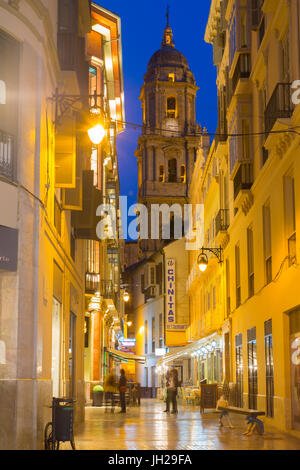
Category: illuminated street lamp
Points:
column 126, row 297
column 96, row 134
column 129, row 323
column 203, row 259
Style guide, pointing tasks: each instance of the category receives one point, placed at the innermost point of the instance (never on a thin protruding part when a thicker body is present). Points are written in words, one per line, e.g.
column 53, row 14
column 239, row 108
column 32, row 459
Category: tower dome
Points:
column 168, row 60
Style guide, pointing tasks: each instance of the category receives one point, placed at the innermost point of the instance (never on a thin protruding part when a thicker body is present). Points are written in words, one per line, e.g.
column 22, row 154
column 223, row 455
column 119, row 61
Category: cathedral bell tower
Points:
column 170, row 138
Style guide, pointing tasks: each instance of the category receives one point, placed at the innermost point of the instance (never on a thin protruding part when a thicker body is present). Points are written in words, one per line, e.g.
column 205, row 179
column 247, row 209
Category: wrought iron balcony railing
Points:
column 6, row 155
column 222, row 220
column 242, row 70
column 280, row 105
column 243, row 179
column 92, row 282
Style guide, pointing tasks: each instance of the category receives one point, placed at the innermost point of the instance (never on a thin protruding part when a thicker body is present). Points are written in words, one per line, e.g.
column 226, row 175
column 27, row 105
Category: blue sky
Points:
column 142, row 30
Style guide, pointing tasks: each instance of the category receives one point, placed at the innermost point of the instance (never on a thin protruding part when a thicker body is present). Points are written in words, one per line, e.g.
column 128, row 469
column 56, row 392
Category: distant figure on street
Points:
column 172, row 385
column 138, row 393
column 110, row 388
column 122, row 389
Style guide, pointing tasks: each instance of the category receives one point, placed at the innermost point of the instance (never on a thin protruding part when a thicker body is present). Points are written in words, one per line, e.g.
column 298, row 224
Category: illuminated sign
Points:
column 175, row 327
column 170, row 291
column 127, row 343
column 160, row 351
column 8, row 248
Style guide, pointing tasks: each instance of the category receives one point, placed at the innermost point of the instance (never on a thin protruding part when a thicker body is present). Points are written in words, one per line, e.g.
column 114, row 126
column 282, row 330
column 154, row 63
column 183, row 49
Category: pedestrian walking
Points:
column 110, row 388
column 138, row 393
column 172, row 386
column 122, row 389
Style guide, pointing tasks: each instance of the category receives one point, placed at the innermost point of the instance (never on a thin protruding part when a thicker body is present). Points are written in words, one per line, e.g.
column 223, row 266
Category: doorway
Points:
column 72, row 355
column 56, row 347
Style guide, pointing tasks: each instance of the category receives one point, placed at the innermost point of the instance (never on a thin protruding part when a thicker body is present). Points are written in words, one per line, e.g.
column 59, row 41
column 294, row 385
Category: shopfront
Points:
column 199, row 361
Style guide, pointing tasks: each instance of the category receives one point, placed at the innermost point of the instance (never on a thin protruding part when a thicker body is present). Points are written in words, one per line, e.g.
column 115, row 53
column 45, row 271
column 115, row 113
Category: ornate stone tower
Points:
column 170, row 138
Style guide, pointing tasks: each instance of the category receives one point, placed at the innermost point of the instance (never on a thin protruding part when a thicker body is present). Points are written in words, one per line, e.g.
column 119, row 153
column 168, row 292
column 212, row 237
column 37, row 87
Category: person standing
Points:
column 122, row 389
column 168, row 394
column 174, row 387
column 110, row 388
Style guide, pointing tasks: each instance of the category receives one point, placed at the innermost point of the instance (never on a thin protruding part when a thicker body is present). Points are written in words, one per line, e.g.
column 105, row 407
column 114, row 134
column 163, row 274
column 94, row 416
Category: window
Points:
column 250, row 262
column 269, row 369
column 146, row 337
column 290, row 215
column 153, row 334
column 239, row 370
column 267, row 242
column 172, row 77
column 252, row 369
column 228, row 287
column 93, row 80
column 161, row 174
column 152, row 276
column 161, row 331
column 214, row 297
column 246, row 139
column 171, row 107
column 237, row 276
column 57, row 215
column 172, row 170
column 182, row 174
column 244, row 29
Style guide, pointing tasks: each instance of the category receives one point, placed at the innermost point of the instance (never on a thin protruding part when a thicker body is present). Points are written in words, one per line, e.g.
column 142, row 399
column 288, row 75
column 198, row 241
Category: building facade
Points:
column 42, row 265
column 104, row 317
column 253, row 198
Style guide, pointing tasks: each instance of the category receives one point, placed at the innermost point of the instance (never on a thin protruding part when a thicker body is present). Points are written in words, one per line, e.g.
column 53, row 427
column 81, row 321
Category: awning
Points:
column 186, row 350
column 125, row 357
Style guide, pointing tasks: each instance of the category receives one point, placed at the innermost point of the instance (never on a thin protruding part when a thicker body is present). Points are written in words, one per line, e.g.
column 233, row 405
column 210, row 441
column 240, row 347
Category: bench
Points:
column 251, row 417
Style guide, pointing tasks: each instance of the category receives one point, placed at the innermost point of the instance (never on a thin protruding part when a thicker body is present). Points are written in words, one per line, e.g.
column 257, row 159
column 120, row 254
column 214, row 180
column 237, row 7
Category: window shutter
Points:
column 65, row 154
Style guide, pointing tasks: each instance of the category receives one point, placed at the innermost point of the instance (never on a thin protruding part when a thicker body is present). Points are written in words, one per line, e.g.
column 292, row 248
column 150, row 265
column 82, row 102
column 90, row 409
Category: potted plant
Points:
column 98, row 391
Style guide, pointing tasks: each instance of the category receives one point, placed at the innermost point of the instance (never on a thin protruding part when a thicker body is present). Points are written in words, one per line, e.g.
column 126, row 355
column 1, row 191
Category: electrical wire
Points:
column 209, row 134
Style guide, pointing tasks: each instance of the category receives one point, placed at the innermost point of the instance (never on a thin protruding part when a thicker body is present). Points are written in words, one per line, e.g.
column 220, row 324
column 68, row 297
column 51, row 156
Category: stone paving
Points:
column 149, row 428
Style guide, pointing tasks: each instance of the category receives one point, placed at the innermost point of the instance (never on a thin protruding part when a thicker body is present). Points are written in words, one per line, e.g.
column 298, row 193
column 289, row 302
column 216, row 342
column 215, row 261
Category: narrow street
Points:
column 149, row 428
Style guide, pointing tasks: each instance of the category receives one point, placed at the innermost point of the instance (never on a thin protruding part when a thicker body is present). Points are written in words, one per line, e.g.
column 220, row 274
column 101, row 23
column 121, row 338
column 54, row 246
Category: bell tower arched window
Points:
column 172, row 170
column 171, row 107
column 161, row 174
column 182, row 174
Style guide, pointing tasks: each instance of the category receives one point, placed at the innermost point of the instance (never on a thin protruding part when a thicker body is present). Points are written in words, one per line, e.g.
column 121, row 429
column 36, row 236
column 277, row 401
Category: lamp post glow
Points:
column 126, row 297
column 96, row 134
column 202, row 262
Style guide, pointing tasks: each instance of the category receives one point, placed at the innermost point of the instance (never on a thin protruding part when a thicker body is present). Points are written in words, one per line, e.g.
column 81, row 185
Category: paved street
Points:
column 150, row 428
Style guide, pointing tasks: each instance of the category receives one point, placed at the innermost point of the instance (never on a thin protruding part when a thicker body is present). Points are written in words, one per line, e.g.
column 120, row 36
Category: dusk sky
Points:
column 142, row 31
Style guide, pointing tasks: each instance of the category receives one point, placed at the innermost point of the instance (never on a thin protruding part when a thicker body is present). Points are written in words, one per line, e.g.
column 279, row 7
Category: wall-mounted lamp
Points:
column 203, row 259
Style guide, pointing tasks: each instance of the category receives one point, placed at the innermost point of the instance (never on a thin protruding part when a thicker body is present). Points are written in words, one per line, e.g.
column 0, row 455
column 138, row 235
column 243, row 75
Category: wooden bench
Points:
column 251, row 416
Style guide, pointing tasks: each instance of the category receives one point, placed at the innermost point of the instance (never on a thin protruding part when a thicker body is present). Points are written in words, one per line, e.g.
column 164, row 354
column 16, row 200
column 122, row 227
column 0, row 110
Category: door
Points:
column 295, row 367
column 56, row 349
column 72, row 355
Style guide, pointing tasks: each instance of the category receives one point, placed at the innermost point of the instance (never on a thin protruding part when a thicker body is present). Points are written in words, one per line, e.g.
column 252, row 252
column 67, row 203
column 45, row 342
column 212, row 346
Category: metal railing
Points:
column 243, row 179
column 92, row 281
column 279, row 106
column 242, row 70
column 6, row 155
column 222, row 220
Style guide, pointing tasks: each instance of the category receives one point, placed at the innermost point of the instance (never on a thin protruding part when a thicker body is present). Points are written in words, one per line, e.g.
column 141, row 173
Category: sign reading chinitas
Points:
column 170, row 292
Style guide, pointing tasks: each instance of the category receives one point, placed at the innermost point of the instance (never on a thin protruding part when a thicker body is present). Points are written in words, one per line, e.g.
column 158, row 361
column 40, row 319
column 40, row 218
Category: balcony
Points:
column 222, row 224
column 242, row 183
column 280, row 106
column 92, row 283
column 242, row 70
column 6, row 155
column 150, row 293
column 107, row 290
